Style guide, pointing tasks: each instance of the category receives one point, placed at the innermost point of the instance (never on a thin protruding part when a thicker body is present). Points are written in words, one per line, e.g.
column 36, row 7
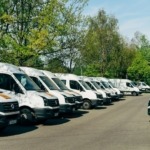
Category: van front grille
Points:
column 53, row 102
column 9, row 107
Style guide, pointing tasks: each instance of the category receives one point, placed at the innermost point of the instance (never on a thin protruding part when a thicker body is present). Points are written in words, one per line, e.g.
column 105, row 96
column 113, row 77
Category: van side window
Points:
column 75, row 85
column 8, row 83
column 128, row 84
column 36, row 80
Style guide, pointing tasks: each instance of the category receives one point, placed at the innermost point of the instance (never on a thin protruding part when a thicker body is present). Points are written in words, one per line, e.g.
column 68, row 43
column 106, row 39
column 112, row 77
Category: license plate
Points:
column 12, row 122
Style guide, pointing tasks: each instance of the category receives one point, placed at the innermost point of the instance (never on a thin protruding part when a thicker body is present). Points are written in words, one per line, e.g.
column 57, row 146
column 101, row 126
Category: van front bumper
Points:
column 114, row 97
column 107, row 100
column 94, row 102
column 100, row 102
column 121, row 95
column 3, row 121
column 8, row 120
column 66, row 108
column 46, row 113
column 148, row 110
column 78, row 105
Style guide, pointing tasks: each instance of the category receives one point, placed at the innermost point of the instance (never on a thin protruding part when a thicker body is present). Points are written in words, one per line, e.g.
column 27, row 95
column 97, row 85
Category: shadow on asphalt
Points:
column 101, row 107
column 16, row 129
column 75, row 114
column 123, row 99
column 56, row 121
column 111, row 104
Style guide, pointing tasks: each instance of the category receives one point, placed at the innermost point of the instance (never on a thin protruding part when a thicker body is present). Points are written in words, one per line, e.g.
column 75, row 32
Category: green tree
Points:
column 142, row 44
column 140, row 69
column 105, row 47
column 16, row 21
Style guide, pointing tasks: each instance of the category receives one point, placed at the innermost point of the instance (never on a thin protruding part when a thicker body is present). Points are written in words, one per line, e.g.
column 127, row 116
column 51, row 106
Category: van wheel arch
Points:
column 27, row 116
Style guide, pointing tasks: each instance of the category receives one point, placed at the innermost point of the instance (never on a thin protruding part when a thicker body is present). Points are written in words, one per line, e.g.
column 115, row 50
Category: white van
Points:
column 109, row 85
column 9, row 110
column 34, row 104
column 63, row 87
column 111, row 93
column 103, row 83
column 75, row 83
column 143, row 86
column 125, row 86
column 94, row 86
column 66, row 101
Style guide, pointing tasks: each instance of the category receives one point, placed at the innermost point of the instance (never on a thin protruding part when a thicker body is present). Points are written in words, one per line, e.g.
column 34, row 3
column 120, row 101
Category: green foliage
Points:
column 56, row 65
column 140, row 69
column 92, row 70
column 104, row 45
column 55, row 35
column 142, row 45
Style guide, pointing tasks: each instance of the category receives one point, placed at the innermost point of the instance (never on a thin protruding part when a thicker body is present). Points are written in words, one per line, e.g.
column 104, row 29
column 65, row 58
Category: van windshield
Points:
column 27, row 82
column 60, row 84
column 133, row 83
column 144, row 84
column 106, row 85
column 85, row 85
column 90, row 85
column 49, row 83
column 96, row 85
column 111, row 84
column 101, row 85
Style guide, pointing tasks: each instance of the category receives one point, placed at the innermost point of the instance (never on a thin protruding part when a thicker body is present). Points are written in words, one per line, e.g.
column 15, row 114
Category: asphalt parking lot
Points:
column 124, row 125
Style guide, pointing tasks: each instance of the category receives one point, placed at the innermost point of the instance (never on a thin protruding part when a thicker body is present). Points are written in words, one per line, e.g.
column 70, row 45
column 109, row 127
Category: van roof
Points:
column 9, row 68
column 102, row 79
column 68, row 76
column 50, row 74
column 32, row 71
column 86, row 78
column 121, row 80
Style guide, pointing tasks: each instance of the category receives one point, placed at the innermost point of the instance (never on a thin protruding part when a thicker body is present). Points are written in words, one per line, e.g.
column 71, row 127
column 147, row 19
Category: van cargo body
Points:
column 126, row 86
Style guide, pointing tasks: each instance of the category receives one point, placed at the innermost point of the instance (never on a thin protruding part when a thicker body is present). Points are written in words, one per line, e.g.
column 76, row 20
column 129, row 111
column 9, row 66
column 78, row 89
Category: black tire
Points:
column 27, row 117
column 146, row 90
column 134, row 93
column 86, row 104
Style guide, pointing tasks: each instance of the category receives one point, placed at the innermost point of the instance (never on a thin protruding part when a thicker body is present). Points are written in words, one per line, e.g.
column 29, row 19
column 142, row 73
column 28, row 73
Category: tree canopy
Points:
column 55, row 35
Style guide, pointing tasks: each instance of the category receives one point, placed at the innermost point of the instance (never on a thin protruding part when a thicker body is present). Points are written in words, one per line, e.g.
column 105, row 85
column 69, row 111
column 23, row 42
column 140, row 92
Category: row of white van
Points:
column 39, row 95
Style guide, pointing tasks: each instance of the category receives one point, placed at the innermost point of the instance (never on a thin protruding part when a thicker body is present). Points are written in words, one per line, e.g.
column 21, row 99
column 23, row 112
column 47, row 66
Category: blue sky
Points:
column 132, row 15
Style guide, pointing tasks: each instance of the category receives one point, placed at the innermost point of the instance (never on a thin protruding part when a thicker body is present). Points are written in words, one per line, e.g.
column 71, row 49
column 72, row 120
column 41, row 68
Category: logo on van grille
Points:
column 12, row 106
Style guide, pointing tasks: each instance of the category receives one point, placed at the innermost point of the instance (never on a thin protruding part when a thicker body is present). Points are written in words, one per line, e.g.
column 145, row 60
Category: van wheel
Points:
column 146, row 90
column 134, row 94
column 86, row 105
column 27, row 117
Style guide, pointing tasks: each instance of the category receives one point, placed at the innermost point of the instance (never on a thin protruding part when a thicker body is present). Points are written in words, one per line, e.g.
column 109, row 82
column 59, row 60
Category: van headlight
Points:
column 46, row 101
column 66, row 100
column 108, row 94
